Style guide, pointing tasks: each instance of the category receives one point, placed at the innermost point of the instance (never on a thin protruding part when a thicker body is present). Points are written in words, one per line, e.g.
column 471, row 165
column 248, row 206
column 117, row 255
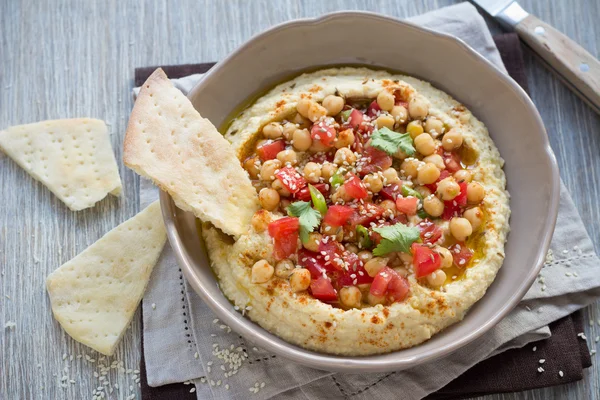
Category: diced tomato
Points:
column 430, row 232
column 374, row 160
column 398, row 288
column 452, row 161
column 312, row 261
column 382, row 280
column 332, row 255
column 355, row 274
column 425, row 260
column 355, row 188
column 461, row 199
column 291, row 179
column 390, row 192
column 356, row 118
column 365, row 214
column 433, row 186
column 322, row 289
column 373, row 109
column 323, row 132
column 400, row 218
column 454, row 208
column 304, row 193
column 338, row 215
column 270, row 150
column 407, row 205
column 461, row 254
column 284, row 232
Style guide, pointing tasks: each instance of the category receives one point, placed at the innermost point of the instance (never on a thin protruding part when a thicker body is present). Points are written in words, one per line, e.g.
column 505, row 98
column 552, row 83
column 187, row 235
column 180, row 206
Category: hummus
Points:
column 401, row 230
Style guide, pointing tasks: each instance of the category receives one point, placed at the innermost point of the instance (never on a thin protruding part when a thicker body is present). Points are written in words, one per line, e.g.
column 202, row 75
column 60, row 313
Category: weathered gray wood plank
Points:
column 70, row 58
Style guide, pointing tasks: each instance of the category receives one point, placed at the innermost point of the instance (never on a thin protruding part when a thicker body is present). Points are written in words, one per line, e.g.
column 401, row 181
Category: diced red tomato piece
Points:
column 322, row 289
column 425, row 260
column 270, row 150
column 398, row 288
column 323, row 132
column 355, row 274
column 304, row 193
column 390, row 192
column 452, row 161
column 461, row 254
column 407, row 205
column 356, row 118
column 433, row 186
column 312, row 261
column 454, row 208
column 332, row 255
column 365, row 214
column 355, row 188
column 375, row 160
column 430, row 232
column 381, row 281
column 373, row 109
column 291, row 179
column 284, row 232
column 461, row 199
column 338, row 215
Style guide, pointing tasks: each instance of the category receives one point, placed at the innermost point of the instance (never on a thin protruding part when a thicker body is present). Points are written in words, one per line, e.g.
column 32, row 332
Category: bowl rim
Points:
column 330, row 362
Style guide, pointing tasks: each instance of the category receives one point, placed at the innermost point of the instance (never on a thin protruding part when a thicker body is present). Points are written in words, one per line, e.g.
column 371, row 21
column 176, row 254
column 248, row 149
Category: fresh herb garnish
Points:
column 309, row 217
column 398, row 237
column 345, row 115
column 423, row 214
column 389, row 141
column 338, row 178
column 318, row 199
column 364, row 240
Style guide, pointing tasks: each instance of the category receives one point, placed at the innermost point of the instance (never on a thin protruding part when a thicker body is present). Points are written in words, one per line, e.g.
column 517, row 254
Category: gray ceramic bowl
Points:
column 449, row 64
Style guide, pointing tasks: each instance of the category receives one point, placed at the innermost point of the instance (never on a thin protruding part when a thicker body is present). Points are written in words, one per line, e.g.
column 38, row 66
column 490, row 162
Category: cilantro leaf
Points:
column 398, row 237
column 309, row 217
column 389, row 141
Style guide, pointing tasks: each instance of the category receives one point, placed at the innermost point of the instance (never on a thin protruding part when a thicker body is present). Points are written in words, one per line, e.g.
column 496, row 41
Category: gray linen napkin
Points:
column 183, row 341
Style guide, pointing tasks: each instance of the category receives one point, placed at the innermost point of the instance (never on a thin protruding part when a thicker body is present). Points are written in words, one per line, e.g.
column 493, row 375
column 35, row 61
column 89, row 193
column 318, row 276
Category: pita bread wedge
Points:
column 72, row 157
column 169, row 142
column 95, row 295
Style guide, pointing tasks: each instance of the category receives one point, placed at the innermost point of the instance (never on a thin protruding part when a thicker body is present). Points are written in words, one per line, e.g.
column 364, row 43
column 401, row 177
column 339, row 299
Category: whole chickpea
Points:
column 287, row 157
column 350, row 296
column 262, row 271
column 433, row 206
column 301, row 122
column 386, row 100
column 425, row 144
column 434, row 126
column 301, row 139
column 273, row 130
column 475, row 193
column 316, row 112
column 475, row 217
column 365, row 256
column 345, row 139
column 312, row 172
column 460, row 228
column 352, row 248
column 284, row 268
column 452, row 139
column 446, row 256
column 300, row 279
column 282, row 190
column 436, row 278
column 344, row 156
column 251, row 164
column 375, row 264
column 390, row 176
column 373, row 183
column 318, row 147
column 448, row 189
column 400, row 114
column 267, row 171
column 414, row 129
column 268, row 198
column 427, row 174
column 385, row 121
column 410, row 166
column 333, row 104
column 261, row 220
column 312, row 244
column 336, row 232
column 463, row 175
column 422, row 190
column 328, row 170
column 435, row 159
column 374, row 300
column 288, row 130
column 418, row 107
column 303, row 106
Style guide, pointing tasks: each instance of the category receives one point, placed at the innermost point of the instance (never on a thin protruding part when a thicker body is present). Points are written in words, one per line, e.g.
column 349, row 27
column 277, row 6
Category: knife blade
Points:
column 575, row 66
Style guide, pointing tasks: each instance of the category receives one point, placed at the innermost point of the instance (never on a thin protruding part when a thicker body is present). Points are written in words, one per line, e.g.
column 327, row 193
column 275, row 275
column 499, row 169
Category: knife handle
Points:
column 578, row 68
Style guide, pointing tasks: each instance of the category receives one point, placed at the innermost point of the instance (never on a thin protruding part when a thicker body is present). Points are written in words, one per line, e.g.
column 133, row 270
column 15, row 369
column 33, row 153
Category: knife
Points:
column 572, row 63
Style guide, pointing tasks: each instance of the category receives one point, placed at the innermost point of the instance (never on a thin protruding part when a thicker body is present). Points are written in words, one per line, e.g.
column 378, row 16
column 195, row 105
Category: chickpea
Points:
column 340, row 195
column 374, row 300
column 375, row 264
column 318, row 147
column 316, row 112
column 267, row 171
column 390, row 176
column 460, row 228
column 418, row 107
column 446, row 256
column 448, row 189
column 251, row 165
column 423, row 191
column 300, row 279
column 336, row 232
column 312, row 244
column 345, row 139
column 288, row 130
column 328, row 170
column 312, row 172
column 406, row 258
column 475, row 193
column 400, row 114
column 433, row 206
column 410, row 166
column 282, row 190
column 434, row 126
column 386, row 100
column 435, row 159
column 475, row 217
column 373, row 182
column 436, row 278
column 268, row 198
column 301, row 122
column 284, row 268
column 333, row 104
column 350, row 296
column 365, row 256
column 284, row 204
column 301, row 139
column 262, row 271
column 400, row 155
column 425, row 144
column 414, row 128
column 273, row 130
column 303, row 106
column 453, row 139
column 344, row 156
column 463, row 175
column 287, row 157
column 385, row 121
column 428, row 173
column 352, row 248
column 260, row 220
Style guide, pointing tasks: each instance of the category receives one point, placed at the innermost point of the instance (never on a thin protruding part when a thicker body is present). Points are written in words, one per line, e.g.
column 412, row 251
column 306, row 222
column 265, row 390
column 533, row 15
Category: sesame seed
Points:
column 561, row 374
column 192, row 390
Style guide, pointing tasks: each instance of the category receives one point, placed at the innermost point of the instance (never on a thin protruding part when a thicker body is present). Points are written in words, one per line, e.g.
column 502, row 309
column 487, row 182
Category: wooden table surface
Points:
column 61, row 59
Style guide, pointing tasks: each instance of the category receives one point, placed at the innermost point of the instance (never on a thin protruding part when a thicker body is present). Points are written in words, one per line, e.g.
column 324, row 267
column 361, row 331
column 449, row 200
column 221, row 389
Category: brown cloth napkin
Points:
column 511, row 371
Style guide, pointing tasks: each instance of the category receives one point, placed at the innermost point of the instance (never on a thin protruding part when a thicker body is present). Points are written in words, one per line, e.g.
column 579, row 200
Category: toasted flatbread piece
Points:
column 95, row 295
column 169, row 142
column 72, row 157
